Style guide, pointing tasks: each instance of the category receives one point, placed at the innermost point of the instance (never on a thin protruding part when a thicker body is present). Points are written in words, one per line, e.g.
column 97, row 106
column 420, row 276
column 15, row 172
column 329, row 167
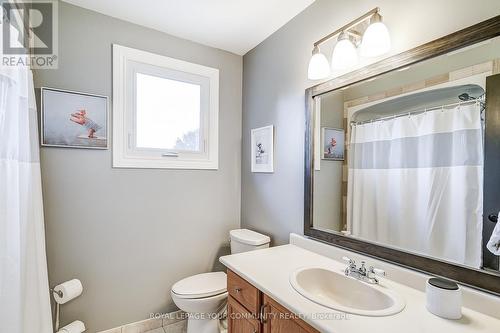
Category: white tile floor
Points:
column 157, row 330
column 178, row 327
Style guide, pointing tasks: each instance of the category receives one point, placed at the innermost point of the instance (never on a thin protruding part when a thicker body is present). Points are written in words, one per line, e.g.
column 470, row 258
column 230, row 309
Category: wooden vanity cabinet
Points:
column 277, row 319
column 239, row 320
column 243, row 292
column 251, row 311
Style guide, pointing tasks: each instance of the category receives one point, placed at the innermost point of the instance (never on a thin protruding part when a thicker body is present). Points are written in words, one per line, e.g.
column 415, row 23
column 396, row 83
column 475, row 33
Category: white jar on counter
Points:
column 444, row 298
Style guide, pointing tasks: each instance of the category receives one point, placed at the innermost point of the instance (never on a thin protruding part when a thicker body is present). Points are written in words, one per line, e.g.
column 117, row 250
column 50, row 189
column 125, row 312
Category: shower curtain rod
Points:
column 355, row 123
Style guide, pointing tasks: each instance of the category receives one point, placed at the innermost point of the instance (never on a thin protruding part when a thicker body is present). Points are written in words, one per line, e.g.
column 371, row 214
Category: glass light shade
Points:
column 344, row 55
column 318, row 67
column 376, row 40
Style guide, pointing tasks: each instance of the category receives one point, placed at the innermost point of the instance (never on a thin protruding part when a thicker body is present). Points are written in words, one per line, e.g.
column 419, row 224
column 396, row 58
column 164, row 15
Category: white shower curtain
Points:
column 24, row 293
column 416, row 182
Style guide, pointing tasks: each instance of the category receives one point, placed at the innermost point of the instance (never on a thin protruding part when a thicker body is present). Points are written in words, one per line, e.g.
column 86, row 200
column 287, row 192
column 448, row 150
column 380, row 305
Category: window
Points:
column 165, row 112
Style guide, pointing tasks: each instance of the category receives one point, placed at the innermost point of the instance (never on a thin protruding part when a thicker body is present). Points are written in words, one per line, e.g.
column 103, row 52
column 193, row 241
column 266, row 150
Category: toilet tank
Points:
column 243, row 240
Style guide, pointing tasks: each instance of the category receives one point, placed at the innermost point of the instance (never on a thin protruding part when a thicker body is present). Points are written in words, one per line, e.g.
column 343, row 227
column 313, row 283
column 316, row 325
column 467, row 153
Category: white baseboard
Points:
column 151, row 324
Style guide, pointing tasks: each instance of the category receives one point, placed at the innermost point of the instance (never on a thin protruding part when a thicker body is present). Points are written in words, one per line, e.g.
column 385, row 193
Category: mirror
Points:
column 401, row 160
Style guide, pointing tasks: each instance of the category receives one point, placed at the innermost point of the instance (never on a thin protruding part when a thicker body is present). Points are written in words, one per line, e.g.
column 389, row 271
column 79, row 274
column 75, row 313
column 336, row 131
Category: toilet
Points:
column 203, row 296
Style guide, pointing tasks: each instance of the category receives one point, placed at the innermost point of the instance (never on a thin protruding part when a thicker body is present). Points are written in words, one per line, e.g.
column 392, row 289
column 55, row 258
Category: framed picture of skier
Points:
column 333, row 144
column 73, row 119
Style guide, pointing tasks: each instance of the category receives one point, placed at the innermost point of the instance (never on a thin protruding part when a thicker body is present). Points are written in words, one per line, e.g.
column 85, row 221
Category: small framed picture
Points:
column 333, row 144
column 74, row 119
column 262, row 141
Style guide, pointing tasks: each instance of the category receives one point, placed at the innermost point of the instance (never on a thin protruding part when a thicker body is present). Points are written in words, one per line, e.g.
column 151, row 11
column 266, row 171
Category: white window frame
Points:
column 127, row 62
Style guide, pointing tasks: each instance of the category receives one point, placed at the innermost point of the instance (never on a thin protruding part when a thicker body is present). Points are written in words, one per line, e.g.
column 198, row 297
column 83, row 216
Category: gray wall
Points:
column 129, row 234
column 327, row 206
column 275, row 77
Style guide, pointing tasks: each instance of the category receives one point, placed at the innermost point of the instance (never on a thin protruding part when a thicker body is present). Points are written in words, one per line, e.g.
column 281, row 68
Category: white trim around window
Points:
column 128, row 64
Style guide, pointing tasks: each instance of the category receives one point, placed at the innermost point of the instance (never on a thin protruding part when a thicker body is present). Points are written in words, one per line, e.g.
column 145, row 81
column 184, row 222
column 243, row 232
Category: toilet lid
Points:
column 201, row 285
column 249, row 237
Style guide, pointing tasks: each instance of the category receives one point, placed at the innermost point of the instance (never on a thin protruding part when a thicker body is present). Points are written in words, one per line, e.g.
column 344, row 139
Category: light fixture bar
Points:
column 348, row 26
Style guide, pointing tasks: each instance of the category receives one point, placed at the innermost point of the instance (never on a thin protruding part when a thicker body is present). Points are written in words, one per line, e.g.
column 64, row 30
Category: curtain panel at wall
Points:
column 416, row 182
column 24, row 292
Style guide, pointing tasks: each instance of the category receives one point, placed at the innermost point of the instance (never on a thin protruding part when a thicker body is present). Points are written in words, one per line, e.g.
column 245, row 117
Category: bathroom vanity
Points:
column 262, row 298
column 250, row 310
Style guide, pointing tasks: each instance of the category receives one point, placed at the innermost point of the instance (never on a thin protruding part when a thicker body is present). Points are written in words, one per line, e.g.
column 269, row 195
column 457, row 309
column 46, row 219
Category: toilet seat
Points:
column 201, row 285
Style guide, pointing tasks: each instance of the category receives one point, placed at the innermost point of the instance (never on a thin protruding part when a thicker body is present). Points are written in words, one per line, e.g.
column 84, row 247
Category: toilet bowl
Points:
column 204, row 296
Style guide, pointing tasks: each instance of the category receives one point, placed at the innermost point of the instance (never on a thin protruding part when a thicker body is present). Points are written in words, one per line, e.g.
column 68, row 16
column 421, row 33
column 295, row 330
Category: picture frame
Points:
column 333, row 144
column 262, row 149
column 72, row 119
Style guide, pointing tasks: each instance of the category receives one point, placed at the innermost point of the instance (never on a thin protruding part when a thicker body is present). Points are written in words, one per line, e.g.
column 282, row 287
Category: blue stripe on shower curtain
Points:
column 428, row 151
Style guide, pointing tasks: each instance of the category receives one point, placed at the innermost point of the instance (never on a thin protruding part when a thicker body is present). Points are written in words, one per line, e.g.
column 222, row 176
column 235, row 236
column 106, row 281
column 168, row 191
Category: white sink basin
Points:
column 339, row 292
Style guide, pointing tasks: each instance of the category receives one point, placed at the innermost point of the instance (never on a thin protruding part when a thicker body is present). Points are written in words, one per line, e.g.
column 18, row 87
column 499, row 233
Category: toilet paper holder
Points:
column 59, row 293
column 56, row 319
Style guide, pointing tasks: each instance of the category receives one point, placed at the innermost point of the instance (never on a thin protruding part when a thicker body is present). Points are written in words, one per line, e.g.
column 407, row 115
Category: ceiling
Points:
column 232, row 25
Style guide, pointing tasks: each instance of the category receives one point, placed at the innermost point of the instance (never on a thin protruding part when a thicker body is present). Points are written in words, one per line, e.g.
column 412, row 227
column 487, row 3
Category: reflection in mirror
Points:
column 399, row 159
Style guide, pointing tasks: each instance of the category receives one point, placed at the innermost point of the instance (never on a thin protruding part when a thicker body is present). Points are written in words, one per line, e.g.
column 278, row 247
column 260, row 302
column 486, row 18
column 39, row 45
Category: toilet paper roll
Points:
column 69, row 289
column 75, row 327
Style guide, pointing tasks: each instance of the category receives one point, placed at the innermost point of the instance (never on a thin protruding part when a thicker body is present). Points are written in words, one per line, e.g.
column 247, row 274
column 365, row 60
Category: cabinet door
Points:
column 239, row 320
column 242, row 291
column 277, row 319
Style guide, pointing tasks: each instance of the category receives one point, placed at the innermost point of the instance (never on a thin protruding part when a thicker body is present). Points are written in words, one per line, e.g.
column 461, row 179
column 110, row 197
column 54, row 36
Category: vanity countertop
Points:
column 269, row 270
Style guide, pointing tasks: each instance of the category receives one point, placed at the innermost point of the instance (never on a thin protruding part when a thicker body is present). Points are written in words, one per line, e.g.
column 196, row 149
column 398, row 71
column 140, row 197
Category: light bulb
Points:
column 376, row 39
column 318, row 66
column 344, row 54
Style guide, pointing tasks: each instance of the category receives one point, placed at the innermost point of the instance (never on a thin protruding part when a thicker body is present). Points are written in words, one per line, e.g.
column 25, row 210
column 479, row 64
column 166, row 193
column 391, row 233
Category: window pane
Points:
column 168, row 113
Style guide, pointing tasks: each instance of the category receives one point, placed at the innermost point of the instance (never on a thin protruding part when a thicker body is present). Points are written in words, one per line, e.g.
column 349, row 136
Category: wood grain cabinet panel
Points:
column 245, row 314
column 243, row 292
column 239, row 320
column 278, row 319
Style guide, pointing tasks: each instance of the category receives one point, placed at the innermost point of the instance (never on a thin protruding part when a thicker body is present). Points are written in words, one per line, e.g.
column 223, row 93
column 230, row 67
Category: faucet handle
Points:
column 377, row 271
column 362, row 269
column 349, row 261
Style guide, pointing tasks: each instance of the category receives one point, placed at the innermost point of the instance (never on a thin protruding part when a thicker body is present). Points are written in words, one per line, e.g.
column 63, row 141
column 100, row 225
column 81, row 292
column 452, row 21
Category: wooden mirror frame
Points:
column 471, row 277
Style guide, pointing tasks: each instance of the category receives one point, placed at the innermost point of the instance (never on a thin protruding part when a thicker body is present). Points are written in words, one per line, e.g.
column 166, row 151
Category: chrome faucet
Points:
column 362, row 273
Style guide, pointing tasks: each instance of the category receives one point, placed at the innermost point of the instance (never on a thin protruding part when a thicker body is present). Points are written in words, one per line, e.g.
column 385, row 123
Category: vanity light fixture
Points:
column 318, row 65
column 368, row 33
column 344, row 54
column 376, row 40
